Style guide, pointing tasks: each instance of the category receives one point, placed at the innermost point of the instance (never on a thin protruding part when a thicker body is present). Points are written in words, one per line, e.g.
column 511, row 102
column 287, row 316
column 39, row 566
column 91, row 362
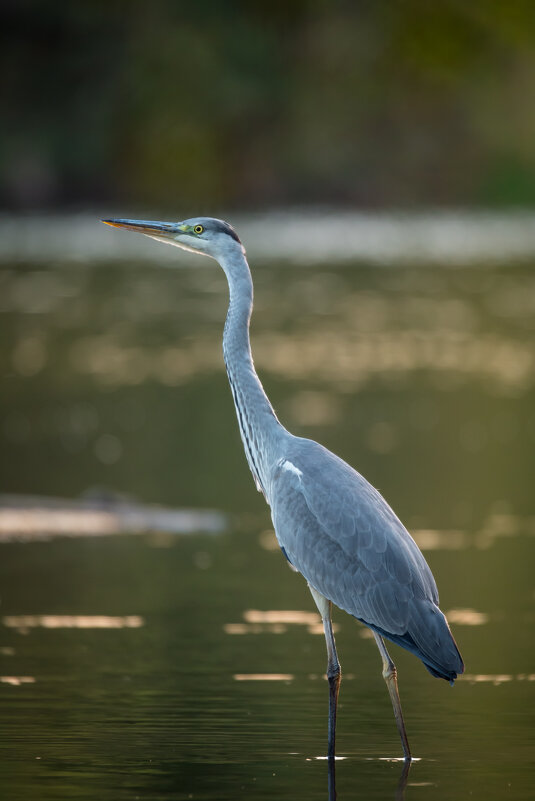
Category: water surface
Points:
column 148, row 665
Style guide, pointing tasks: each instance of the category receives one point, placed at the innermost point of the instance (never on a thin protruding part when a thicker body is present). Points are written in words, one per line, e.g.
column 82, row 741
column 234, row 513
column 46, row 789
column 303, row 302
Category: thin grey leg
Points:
column 334, row 673
column 334, row 677
column 390, row 676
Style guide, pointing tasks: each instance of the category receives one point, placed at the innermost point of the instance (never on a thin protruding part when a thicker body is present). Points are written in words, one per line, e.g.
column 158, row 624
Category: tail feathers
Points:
column 429, row 638
column 431, row 633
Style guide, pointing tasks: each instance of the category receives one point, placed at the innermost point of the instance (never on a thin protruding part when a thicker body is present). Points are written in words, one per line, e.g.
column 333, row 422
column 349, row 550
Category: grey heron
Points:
column 331, row 524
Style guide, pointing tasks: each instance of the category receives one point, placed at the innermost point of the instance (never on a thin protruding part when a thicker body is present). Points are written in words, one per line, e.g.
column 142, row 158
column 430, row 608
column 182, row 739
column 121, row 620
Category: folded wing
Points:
column 341, row 534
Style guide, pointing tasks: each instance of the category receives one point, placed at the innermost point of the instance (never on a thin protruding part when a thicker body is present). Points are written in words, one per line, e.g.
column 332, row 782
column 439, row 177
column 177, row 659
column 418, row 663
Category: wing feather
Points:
column 343, row 537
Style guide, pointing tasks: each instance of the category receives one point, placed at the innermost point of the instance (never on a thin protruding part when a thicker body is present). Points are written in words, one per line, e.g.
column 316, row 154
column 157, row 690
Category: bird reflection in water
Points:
column 399, row 794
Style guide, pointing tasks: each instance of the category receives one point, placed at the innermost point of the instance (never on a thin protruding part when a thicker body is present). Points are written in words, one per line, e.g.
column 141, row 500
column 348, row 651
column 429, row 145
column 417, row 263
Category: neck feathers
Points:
column 258, row 424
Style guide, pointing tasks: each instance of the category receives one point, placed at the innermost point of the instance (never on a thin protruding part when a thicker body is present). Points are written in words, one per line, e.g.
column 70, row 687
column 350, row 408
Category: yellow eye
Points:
column 198, row 229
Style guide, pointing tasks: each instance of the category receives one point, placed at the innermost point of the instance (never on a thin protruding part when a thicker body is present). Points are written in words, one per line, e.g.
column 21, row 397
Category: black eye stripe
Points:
column 225, row 228
column 214, row 226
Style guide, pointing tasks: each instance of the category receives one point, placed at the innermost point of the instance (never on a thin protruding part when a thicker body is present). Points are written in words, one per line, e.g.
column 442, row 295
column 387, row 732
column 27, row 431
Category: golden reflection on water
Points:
column 268, row 540
column 467, row 617
column 281, row 616
column 497, row 678
column 503, row 524
column 497, row 525
column 276, row 621
column 330, row 355
column 263, row 676
column 16, row 681
column 248, row 628
column 25, row 622
column 433, row 539
column 35, row 518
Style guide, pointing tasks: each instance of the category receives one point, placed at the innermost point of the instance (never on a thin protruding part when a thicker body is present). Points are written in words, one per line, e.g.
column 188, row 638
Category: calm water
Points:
column 148, row 666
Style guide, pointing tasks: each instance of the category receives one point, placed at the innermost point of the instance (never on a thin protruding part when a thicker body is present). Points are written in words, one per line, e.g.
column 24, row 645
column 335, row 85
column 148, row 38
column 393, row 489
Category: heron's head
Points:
column 204, row 235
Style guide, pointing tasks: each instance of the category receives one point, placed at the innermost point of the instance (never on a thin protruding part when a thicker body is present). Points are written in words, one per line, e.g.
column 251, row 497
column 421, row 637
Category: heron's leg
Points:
column 390, row 676
column 334, row 673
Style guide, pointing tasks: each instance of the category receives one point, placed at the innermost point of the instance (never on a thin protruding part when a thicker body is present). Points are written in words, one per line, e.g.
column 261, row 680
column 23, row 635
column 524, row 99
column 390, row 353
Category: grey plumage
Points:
column 340, row 533
column 331, row 524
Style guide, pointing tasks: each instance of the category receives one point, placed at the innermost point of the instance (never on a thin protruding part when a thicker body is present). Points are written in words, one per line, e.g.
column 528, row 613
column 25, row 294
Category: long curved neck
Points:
column 259, row 428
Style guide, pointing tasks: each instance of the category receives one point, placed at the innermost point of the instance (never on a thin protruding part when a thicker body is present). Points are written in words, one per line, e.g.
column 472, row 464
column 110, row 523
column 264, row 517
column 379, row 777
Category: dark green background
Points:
column 230, row 104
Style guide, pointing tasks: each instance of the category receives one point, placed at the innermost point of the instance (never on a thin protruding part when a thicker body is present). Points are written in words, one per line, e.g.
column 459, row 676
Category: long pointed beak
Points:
column 148, row 227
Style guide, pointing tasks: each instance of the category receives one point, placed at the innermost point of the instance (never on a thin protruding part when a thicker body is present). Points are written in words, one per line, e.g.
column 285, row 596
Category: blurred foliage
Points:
column 239, row 103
